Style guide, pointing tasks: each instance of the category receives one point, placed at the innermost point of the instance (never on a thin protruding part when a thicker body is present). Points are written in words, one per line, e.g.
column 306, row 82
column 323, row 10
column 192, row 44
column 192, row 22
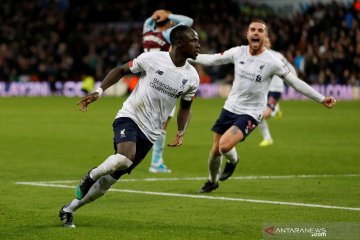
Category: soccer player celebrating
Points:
column 156, row 37
column 243, row 110
column 165, row 77
column 275, row 90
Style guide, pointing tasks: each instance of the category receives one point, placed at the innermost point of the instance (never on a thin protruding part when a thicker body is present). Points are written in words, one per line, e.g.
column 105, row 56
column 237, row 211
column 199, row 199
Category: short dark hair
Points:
column 258, row 20
column 178, row 32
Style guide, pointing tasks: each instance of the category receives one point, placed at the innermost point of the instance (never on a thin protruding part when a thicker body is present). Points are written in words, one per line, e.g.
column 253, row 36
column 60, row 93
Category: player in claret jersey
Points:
column 157, row 29
column 165, row 77
column 156, row 37
column 243, row 110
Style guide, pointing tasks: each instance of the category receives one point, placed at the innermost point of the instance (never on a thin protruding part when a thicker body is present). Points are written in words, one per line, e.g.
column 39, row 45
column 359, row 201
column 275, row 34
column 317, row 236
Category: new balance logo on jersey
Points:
column 159, row 72
column 242, row 62
column 261, row 67
column 122, row 133
column 258, row 78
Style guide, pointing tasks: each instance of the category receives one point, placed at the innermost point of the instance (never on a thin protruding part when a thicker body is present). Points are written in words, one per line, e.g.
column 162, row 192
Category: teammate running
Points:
column 243, row 110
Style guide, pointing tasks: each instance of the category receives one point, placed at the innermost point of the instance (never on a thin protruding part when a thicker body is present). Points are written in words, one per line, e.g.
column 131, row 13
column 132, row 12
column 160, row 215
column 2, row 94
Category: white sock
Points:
column 97, row 190
column 264, row 129
column 158, row 149
column 231, row 155
column 214, row 167
column 276, row 109
column 110, row 165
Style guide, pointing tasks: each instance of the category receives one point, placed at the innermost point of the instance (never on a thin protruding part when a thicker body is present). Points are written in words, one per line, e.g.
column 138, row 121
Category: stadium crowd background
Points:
column 64, row 40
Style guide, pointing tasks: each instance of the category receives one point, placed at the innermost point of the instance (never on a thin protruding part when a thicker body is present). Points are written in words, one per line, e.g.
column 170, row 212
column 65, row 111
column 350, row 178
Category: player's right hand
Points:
column 177, row 141
column 85, row 101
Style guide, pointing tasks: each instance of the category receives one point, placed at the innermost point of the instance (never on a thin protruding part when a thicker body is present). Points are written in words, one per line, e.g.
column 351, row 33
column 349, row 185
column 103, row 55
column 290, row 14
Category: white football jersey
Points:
column 253, row 75
column 277, row 84
column 160, row 85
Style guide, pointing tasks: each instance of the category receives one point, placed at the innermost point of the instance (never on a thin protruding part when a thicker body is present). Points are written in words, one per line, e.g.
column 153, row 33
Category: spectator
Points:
column 63, row 39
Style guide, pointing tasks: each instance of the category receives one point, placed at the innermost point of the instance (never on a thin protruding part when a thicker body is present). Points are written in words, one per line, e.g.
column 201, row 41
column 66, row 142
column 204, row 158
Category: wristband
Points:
column 99, row 91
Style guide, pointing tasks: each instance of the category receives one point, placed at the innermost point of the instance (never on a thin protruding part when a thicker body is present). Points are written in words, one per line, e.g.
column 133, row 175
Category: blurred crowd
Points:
column 62, row 40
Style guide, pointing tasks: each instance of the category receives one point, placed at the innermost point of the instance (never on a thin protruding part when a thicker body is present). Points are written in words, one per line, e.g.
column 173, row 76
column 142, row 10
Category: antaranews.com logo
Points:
column 333, row 230
column 286, row 231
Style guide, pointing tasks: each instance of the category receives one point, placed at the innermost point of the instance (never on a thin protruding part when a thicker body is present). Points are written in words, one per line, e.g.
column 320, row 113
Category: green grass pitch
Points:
column 48, row 139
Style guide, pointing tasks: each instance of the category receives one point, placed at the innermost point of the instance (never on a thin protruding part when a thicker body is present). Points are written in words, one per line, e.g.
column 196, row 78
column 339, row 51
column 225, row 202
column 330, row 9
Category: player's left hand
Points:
column 329, row 102
column 177, row 141
column 85, row 101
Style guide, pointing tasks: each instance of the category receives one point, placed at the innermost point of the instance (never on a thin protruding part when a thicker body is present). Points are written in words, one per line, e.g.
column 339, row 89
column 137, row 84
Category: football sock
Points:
column 97, row 190
column 264, row 129
column 231, row 155
column 158, row 149
column 110, row 165
column 214, row 167
column 276, row 109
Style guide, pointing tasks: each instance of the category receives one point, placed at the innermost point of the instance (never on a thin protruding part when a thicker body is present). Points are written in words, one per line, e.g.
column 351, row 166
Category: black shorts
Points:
column 273, row 98
column 244, row 122
column 125, row 129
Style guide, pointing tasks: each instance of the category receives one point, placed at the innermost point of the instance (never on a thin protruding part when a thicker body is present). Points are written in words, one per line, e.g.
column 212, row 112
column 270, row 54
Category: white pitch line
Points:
column 232, row 178
column 204, row 197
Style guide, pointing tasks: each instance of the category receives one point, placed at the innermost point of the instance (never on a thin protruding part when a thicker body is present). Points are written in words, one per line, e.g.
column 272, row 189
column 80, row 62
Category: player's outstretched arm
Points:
column 308, row 91
column 113, row 76
column 183, row 118
column 215, row 59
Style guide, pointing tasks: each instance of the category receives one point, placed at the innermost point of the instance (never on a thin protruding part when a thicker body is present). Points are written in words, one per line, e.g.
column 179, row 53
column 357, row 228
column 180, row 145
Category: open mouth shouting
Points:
column 255, row 41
